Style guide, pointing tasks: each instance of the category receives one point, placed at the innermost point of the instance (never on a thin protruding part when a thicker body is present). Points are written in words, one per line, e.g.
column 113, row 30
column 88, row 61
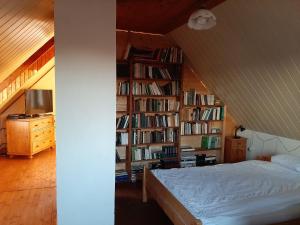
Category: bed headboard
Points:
column 266, row 144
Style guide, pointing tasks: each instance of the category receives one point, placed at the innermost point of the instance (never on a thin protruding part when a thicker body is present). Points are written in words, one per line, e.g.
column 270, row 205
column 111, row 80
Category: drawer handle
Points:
column 37, row 146
column 35, row 125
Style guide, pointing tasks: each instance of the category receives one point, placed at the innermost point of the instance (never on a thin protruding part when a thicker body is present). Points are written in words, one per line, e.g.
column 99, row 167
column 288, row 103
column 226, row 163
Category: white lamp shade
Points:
column 202, row 20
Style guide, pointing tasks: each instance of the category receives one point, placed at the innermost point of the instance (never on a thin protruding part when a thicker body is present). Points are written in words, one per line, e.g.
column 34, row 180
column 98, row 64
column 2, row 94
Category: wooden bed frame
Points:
column 177, row 213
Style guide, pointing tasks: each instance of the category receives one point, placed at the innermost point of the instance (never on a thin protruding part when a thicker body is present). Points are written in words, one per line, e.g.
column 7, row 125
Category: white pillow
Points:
column 289, row 161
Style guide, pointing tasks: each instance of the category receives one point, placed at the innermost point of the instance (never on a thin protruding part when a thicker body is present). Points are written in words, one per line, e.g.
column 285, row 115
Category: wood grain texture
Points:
column 251, row 60
column 27, row 190
column 157, row 16
column 24, row 27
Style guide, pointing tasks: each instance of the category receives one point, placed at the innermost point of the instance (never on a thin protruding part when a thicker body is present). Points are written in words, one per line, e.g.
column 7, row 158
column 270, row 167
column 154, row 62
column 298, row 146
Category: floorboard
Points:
column 28, row 190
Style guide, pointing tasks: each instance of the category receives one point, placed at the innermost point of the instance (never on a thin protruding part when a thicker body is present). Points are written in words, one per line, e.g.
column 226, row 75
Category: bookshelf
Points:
column 202, row 125
column 161, row 115
column 148, row 107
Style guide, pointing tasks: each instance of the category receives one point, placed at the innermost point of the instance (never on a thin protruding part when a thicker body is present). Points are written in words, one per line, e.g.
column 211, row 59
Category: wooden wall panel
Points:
column 251, row 60
column 24, row 27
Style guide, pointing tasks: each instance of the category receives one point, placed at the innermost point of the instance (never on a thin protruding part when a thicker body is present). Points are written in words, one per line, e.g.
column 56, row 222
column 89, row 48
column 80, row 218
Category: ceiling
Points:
column 25, row 26
column 157, row 16
column 251, row 60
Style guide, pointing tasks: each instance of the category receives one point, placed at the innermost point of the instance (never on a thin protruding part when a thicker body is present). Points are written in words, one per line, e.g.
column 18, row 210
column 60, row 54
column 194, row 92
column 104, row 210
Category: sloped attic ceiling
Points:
column 24, row 27
column 251, row 59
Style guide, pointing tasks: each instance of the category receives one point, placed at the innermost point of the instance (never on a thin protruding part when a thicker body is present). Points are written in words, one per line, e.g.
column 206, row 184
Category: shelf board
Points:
column 206, row 150
column 153, row 62
column 160, row 112
column 155, row 80
column 122, row 111
column 208, row 134
column 121, row 129
column 154, row 128
column 122, row 95
column 205, row 106
column 122, row 78
column 153, row 160
column 155, row 144
column 200, row 121
column 155, row 96
column 121, row 145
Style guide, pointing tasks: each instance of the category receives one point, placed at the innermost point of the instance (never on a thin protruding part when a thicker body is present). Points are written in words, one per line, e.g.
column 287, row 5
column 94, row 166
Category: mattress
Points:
column 247, row 193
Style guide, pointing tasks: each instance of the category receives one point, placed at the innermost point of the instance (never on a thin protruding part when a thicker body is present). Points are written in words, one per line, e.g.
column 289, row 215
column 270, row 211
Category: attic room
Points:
column 165, row 112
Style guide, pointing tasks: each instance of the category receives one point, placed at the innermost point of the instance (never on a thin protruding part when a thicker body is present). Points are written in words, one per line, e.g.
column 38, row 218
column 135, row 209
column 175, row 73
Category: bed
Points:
column 247, row 193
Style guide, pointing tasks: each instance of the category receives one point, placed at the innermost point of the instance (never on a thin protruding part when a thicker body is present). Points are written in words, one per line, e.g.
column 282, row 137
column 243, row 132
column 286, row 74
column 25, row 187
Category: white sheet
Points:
column 246, row 193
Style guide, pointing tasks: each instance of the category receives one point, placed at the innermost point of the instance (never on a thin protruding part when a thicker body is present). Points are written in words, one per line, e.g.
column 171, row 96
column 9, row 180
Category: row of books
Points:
column 120, row 154
column 171, row 88
column 155, row 105
column 141, row 120
column 123, row 88
column 193, row 98
column 153, row 152
column 147, row 137
column 121, row 138
column 197, row 114
column 211, row 142
column 187, row 128
column 142, row 71
column 122, row 122
column 167, row 55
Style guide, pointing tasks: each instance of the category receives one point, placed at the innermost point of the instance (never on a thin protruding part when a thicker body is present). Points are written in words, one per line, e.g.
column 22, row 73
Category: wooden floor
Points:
column 28, row 190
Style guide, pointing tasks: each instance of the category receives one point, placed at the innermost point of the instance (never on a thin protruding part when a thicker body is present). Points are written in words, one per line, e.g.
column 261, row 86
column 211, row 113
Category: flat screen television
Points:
column 38, row 102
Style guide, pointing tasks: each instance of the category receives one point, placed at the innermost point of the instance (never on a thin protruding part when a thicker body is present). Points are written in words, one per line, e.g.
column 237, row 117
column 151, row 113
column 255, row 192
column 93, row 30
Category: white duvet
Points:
column 246, row 193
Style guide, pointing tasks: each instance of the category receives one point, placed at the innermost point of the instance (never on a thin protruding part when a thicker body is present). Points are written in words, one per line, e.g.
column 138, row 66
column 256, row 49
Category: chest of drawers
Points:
column 29, row 136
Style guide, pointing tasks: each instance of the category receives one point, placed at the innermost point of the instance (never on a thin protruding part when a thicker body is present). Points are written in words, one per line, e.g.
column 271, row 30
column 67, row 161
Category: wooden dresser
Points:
column 29, row 136
column 235, row 149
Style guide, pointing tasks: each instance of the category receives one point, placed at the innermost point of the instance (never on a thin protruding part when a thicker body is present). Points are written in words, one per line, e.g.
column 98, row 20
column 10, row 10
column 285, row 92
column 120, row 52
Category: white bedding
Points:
column 246, row 193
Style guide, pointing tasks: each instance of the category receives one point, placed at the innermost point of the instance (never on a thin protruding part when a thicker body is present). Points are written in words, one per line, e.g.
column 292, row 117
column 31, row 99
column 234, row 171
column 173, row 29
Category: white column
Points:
column 85, row 96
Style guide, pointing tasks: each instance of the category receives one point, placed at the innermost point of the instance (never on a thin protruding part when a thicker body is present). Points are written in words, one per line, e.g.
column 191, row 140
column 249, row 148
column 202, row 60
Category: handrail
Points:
column 27, row 70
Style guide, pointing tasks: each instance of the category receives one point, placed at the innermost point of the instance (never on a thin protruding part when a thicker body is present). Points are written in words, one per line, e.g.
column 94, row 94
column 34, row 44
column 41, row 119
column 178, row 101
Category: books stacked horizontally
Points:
column 155, row 105
column 193, row 98
column 141, row 120
column 121, row 138
column 197, row 114
column 153, row 152
column 188, row 158
column 148, row 137
column 142, row 71
column 123, row 88
column 171, row 88
column 211, row 142
column 188, row 128
column 121, row 176
column 122, row 122
column 168, row 55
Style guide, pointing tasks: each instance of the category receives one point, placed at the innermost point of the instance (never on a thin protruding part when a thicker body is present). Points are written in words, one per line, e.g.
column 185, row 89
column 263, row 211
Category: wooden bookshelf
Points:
column 134, row 79
column 207, row 113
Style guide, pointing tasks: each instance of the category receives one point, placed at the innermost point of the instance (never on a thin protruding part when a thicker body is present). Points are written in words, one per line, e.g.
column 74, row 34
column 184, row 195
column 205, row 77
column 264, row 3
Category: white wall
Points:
column 251, row 60
column 85, row 108
column 265, row 144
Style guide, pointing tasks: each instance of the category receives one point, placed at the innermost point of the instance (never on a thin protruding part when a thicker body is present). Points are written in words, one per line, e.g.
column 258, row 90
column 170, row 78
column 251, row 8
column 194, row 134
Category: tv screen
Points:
column 38, row 101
